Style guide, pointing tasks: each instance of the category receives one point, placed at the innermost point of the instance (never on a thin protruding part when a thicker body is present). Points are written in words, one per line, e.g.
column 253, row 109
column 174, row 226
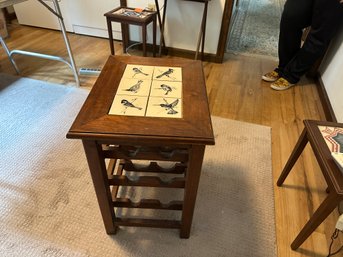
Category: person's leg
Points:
column 327, row 16
column 295, row 17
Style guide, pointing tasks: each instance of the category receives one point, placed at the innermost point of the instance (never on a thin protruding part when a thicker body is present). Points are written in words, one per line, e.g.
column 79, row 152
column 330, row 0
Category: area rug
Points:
column 48, row 206
column 255, row 30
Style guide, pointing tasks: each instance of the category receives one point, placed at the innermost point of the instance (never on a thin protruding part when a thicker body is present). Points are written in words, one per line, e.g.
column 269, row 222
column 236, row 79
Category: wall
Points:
column 87, row 17
column 331, row 71
column 184, row 20
column 33, row 13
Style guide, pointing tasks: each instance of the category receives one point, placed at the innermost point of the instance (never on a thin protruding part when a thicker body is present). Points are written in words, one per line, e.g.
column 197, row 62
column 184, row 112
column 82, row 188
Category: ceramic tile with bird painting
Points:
column 167, row 73
column 128, row 105
column 166, row 89
column 135, row 87
column 164, row 107
column 138, row 72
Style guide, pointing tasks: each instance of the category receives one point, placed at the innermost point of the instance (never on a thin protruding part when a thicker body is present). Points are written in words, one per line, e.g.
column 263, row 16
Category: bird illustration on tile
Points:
column 127, row 104
column 138, row 71
column 167, row 73
column 166, row 88
column 135, row 88
column 170, row 106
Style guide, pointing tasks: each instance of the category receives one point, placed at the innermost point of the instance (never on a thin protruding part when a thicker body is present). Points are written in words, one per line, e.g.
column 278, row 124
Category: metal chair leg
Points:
column 9, row 54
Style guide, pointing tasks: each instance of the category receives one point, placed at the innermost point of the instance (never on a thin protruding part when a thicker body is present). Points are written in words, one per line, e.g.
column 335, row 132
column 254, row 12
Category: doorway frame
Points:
column 224, row 30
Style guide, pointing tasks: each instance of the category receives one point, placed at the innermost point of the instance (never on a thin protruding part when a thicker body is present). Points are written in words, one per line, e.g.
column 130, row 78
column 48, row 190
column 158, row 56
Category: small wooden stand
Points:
column 119, row 15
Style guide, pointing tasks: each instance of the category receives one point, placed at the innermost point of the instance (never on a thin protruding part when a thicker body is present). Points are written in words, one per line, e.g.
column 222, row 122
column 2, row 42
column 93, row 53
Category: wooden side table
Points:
column 121, row 139
column 322, row 148
column 126, row 15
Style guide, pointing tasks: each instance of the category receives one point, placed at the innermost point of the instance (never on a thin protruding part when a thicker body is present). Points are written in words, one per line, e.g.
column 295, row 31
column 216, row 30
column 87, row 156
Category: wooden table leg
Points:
column 144, row 39
column 110, row 35
column 125, row 36
column 161, row 23
column 329, row 204
column 299, row 147
column 98, row 172
column 201, row 37
column 204, row 31
column 154, row 36
column 191, row 188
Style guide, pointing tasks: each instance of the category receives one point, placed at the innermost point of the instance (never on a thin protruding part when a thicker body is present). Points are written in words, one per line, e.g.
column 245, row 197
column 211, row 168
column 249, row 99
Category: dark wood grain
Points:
column 148, row 204
column 99, row 176
column 147, row 223
column 146, row 181
column 191, row 188
column 154, row 167
column 194, row 127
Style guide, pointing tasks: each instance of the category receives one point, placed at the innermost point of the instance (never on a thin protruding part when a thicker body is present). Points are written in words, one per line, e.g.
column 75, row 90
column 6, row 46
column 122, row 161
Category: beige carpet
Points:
column 48, row 206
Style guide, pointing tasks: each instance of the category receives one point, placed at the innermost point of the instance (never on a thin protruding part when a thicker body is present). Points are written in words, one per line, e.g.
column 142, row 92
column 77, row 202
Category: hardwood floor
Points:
column 236, row 92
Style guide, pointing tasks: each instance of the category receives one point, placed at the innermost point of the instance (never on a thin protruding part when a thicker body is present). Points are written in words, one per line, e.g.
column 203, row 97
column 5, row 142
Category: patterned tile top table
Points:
column 114, row 138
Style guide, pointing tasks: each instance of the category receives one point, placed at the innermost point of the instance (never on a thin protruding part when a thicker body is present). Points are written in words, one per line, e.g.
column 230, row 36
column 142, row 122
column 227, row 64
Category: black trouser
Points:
column 324, row 17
